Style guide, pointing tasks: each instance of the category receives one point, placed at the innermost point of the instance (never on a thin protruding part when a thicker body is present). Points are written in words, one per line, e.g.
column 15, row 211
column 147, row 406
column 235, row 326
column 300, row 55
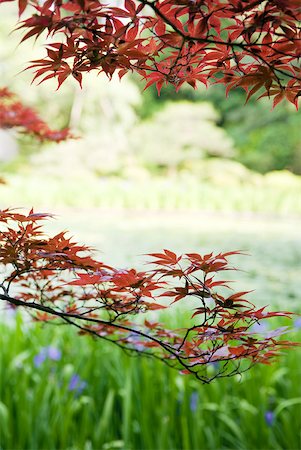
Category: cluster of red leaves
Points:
column 252, row 44
column 13, row 114
column 57, row 279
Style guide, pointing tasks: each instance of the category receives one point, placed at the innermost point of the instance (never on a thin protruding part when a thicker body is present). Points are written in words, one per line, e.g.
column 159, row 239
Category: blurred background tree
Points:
column 101, row 115
column 179, row 135
column 265, row 139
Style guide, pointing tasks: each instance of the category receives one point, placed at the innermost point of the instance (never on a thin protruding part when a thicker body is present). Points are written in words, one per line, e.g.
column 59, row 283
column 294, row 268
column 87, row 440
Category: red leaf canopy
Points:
column 252, row 44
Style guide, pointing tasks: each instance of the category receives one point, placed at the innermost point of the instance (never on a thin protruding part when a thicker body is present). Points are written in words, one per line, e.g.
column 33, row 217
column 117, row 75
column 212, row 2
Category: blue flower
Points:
column 51, row 353
column 135, row 340
column 77, row 384
column 54, row 353
column 194, row 401
column 40, row 358
column 269, row 417
column 297, row 323
column 259, row 327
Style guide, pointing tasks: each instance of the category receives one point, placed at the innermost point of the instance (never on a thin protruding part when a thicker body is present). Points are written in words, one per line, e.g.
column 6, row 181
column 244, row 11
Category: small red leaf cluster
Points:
column 252, row 44
column 56, row 279
column 13, row 114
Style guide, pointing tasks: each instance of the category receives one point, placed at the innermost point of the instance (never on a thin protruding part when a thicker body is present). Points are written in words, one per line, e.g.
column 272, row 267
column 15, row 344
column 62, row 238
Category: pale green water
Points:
column 273, row 267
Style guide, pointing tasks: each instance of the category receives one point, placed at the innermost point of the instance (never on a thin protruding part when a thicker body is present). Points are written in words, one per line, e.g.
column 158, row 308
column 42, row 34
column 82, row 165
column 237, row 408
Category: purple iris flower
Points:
column 54, row 353
column 194, row 401
column 135, row 340
column 77, row 384
column 259, row 327
column 40, row 358
column 297, row 323
column 269, row 418
column 51, row 353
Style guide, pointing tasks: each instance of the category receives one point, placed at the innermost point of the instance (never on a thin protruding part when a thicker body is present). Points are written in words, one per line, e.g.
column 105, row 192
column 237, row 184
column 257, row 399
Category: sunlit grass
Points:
column 165, row 194
column 135, row 403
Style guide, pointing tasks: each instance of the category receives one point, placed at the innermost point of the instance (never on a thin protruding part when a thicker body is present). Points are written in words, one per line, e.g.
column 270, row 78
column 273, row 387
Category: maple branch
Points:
column 108, row 296
column 233, row 45
column 68, row 316
column 174, row 42
column 175, row 353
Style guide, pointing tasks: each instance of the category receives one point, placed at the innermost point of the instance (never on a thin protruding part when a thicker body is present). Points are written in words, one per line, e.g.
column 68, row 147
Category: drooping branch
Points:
column 58, row 279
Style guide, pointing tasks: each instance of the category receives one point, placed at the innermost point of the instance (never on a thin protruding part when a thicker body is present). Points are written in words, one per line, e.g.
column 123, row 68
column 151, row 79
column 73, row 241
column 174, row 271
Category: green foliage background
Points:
column 232, row 169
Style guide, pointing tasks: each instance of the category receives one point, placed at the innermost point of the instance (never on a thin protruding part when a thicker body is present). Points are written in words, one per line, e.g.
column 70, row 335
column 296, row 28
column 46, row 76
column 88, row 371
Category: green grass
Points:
column 135, row 403
column 167, row 194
